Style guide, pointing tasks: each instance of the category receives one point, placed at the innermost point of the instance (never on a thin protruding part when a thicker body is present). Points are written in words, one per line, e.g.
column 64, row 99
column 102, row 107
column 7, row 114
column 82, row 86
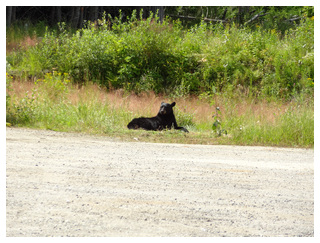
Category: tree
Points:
column 242, row 11
column 283, row 17
column 159, row 11
column 94, row 13
column 76, row 17
column 9, row 15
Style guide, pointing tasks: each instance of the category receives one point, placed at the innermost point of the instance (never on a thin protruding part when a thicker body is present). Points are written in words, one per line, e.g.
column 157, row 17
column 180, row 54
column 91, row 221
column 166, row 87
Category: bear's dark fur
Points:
column 164, row 120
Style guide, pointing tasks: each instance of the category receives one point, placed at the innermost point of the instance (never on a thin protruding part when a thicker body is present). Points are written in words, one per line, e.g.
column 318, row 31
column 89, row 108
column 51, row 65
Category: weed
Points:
column 24, row 111
column 216, row 126
column 8, row 89
column 54, row 84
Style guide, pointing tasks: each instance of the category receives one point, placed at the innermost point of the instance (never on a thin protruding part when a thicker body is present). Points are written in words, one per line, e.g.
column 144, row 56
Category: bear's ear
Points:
column 173, row 104
column 162, row 103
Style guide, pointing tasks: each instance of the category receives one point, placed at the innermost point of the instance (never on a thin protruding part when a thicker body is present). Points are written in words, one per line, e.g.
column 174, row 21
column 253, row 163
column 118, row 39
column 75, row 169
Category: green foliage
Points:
column 268, row 59
column 217, row 125
column 184, row 119
column 28, row 110
column 54, row 85
column 20, row 29
column 8, row 88
column 268, row 17
column 24, row 111
column 141, row 55
column 295, row 126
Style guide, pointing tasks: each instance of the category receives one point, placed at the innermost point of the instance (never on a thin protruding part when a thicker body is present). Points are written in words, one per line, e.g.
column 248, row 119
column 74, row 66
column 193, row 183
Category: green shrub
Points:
column 140, row 55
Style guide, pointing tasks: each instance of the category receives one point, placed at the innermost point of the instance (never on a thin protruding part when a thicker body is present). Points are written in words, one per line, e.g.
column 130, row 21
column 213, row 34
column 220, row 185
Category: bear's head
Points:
column 166, row 108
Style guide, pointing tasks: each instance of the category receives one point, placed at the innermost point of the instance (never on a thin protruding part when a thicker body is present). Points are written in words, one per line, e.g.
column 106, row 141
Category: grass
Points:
column 92, row 109
column 96, row 80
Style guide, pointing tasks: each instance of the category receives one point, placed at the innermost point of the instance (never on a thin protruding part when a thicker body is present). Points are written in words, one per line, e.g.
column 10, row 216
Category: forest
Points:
column 283, row 17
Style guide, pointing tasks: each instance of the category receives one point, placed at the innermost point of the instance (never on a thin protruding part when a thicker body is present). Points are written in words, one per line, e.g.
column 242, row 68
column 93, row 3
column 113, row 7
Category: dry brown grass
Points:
column 92, row 109
column 25, row 43
column 19, row 89
column 264, row 110
column 147, row 104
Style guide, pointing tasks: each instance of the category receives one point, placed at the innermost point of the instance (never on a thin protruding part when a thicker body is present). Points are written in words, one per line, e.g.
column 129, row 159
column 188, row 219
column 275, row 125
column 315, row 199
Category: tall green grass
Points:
column 54, row 103
column 47, row 106
column 293, row 128
column 165, row 57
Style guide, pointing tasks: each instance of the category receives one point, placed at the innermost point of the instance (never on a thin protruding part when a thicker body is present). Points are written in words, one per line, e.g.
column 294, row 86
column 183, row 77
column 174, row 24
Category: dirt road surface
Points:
column 65, row 184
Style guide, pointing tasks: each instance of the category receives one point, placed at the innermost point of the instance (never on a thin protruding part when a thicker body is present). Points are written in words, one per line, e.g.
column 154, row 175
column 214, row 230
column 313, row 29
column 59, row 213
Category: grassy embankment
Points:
column 96, row 80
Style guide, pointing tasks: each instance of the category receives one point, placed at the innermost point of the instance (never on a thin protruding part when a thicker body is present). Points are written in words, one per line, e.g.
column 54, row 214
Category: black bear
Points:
column 164, row 120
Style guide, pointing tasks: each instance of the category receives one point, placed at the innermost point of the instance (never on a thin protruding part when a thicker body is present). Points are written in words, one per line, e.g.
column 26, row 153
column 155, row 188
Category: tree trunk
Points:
column 13, row 16
column 76, row 17
column 9, row 15
column 160, row 13
column 53, row 15
column 58, row 14
column 224, row 13
column 94, row 13
column 242, row 11
column 71, row 15
column 81, row 17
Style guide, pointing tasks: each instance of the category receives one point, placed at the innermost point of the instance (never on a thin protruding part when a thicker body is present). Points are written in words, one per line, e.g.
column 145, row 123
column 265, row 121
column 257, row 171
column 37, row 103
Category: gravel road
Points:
column 65, row 184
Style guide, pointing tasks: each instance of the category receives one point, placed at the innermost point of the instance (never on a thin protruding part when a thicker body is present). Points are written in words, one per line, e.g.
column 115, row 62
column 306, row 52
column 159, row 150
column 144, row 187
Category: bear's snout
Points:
column 163, row 111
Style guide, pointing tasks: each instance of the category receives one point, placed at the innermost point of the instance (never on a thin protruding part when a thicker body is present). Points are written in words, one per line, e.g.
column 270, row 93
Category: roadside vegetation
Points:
column 96, row 79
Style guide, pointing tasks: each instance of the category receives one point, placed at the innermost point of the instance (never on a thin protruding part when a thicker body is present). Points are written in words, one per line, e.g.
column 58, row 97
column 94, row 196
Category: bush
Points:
column 142, row 55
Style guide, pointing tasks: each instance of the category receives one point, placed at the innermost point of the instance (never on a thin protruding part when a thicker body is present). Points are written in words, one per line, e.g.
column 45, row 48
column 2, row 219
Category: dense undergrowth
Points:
column 167, row 58
column 95, row 80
